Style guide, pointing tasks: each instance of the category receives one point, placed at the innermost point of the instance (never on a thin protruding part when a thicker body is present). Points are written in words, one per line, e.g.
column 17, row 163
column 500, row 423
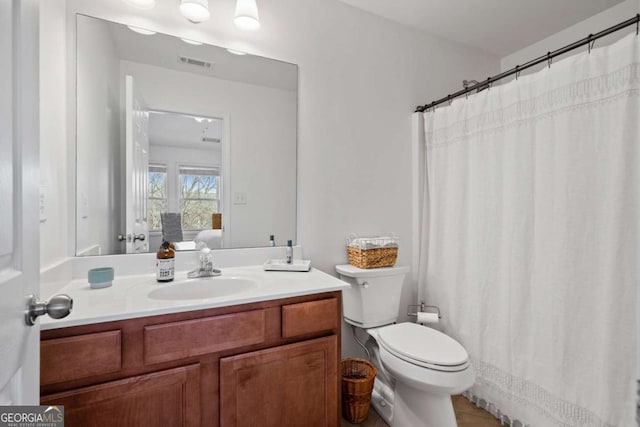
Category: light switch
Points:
column 84, row 206
column 43, row 204
column 239, row 198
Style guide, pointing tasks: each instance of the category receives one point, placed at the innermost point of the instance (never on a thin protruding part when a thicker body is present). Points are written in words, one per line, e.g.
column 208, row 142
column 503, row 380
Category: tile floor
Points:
column 467, row 415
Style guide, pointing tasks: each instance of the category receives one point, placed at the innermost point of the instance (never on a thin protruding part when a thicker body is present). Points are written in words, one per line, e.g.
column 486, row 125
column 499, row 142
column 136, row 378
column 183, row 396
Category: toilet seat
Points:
column 423, row 346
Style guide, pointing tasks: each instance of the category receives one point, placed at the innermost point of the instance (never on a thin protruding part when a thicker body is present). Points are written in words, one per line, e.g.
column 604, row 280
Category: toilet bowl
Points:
column 426, row 367
column 419, row 368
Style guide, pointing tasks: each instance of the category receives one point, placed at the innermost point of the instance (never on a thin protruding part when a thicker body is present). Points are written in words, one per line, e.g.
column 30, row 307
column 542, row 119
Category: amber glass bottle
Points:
column 165, row 262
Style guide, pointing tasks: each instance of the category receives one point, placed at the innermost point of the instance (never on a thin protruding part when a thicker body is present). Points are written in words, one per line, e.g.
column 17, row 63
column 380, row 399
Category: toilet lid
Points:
column 422, row 345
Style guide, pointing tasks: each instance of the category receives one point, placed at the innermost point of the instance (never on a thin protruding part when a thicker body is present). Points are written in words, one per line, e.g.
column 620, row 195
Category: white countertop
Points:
column 128, row 297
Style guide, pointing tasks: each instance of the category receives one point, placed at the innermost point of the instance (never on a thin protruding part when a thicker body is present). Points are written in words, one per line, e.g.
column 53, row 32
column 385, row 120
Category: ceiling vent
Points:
column 195, row 62
column 214, row 140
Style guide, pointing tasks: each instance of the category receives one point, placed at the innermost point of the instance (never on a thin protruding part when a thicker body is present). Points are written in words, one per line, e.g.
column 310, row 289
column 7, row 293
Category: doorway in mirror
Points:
column 185, row 180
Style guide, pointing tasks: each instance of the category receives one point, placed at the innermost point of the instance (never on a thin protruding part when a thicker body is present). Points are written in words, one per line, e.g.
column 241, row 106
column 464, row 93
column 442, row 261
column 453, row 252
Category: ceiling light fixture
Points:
column 193, row 42
column 195, row 10
column 141, row 30
column 247, row 15
column 141, row 4
column 236, row 52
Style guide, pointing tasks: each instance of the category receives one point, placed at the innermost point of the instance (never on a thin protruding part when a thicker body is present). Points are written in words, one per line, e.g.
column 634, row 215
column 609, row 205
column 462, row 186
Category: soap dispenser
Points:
column 289, row 252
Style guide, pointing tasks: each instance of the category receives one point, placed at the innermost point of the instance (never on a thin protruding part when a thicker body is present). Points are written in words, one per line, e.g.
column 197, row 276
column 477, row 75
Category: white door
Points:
column 19, row 186
column 137, row 168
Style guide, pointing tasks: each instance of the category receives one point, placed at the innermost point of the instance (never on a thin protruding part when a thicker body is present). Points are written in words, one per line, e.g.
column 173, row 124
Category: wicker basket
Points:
column 372, row 258
column 357, row 385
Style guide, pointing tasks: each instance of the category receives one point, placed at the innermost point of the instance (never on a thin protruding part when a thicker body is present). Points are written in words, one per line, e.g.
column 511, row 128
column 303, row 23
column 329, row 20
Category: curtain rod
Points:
column 589, row 40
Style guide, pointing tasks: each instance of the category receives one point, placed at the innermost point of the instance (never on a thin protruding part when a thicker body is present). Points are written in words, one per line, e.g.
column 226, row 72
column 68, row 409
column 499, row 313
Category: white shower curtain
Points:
column 530, row 237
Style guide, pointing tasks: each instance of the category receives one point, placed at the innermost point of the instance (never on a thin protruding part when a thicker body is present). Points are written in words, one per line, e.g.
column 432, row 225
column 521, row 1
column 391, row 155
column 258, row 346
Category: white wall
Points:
column 360, row 78
column 262, row 123
column 612, row 16
column 98, row 214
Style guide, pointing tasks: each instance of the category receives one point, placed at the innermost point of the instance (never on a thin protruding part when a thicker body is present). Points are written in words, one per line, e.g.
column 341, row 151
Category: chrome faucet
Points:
column 206, row 268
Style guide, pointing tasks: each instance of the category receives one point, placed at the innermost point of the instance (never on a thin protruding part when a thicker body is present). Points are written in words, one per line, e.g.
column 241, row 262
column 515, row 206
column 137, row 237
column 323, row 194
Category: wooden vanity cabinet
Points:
column 165, row 398
column 304, row 394
column 272, row 363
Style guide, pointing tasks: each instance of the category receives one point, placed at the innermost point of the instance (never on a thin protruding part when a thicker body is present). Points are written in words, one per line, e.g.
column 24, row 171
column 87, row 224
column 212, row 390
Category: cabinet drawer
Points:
column 179, row 340
column 81, row 356
column 309, row 317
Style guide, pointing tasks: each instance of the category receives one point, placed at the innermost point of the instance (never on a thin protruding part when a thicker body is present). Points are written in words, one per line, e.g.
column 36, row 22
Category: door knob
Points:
column 140, row 237
column 57, row 307
column 122, row 237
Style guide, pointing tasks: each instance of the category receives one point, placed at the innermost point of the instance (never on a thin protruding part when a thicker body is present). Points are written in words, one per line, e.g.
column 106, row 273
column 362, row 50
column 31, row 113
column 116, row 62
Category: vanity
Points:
column 268, row 355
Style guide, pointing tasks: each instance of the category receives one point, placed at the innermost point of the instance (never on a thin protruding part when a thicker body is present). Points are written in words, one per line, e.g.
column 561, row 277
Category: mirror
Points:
column 180, row 140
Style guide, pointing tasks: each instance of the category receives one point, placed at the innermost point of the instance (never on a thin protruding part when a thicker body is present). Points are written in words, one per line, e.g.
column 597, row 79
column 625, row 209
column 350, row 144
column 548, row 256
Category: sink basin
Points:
column 212, row 287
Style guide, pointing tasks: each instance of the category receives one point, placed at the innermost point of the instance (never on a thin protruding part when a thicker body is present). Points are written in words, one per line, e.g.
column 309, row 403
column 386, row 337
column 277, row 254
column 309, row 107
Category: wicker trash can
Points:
column 357, row 385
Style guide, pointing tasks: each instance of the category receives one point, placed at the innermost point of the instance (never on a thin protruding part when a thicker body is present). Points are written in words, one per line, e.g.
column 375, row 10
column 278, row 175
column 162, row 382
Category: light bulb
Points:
column 193, row 42
column 141, row 4
column 141, row 30
column 195, row 10
column 246, row 17
column 236, row 52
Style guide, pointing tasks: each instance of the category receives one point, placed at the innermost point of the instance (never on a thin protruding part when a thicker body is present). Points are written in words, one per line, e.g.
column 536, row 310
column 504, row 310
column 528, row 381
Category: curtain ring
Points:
column 450, row 99
column 517, row 71
column 549, row 59
column 591, row 43
column 637, row 23
column 488, row 83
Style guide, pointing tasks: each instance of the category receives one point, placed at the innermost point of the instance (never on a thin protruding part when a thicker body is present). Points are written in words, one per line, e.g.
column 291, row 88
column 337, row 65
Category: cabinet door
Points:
column 291, row 385
column 166, row 398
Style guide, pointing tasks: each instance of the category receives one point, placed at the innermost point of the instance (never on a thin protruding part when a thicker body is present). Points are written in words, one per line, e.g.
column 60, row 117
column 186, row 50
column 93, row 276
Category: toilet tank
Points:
column 374, row 297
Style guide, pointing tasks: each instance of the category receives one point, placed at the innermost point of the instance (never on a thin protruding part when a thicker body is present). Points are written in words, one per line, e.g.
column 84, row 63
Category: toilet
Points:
column 419, row 368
